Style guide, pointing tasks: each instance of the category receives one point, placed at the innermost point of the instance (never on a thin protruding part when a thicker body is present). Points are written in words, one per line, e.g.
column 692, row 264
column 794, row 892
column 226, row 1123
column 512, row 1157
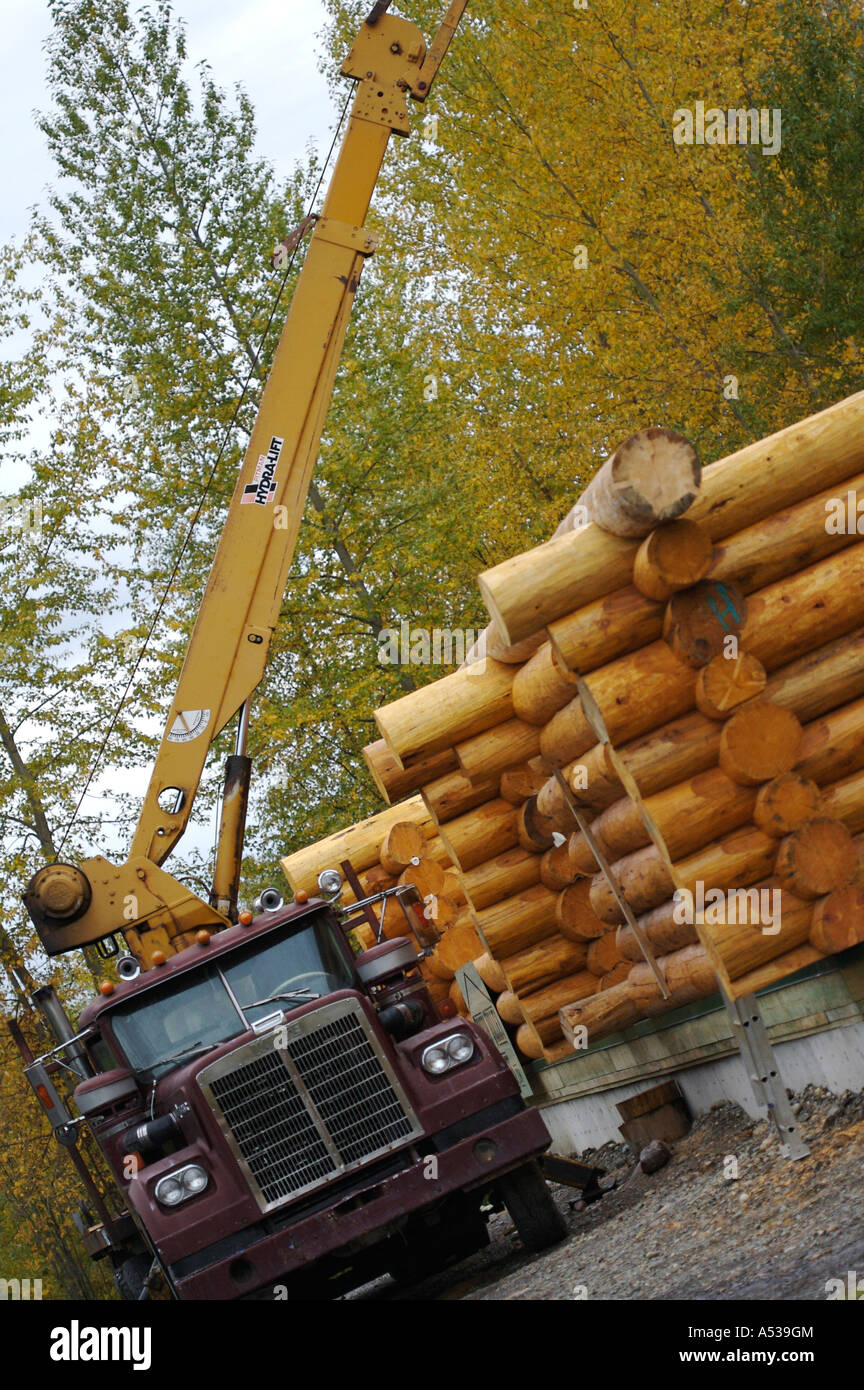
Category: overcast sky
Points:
column 270, row 46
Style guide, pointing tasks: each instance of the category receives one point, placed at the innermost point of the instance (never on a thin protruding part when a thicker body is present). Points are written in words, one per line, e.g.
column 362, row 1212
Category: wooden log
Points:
column 616, row 976
column 441, row 911
column 501, row 877
column 437, row 988
column 393, row 781
column 581, row 853
column 598, row 1015
column 817, row 859
column 818, row 604
column 540, row 687
column 491, row 643
column 490, row 973
column 741, row 946
column 509, row 1008
column 481, row 834
column 516, row 923
column 492, row 752
column 688, row 815
column 725, row 683
column 528, row 1043
column 760, row 741
column 458, row 999
column 426, row 876
column 453, row 888
column 453, row 794
column 376, row 879
column 359, row 843
column 653, row 477
column 662, row 930
column 672, row 557
column 779, row 545
column 544, row 963
column 644, row 880
column 698, row 621
column 545, row 1003
column 833, row 746
column 688, row 973
column 402, row 842
column 838, row 920
column 448, row 711
column 556, row 869
column 459, row 945
column 518, row 783
column 573, row 912
column 844, row 801
column 535, row 832
column 528, row 592
column 603, row 954
column 810, row 686
column 785, row 804
column 773, row 970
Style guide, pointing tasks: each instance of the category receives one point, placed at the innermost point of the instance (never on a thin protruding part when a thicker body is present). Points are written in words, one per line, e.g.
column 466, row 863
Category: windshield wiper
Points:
column 303, row 994
column 194, row 1049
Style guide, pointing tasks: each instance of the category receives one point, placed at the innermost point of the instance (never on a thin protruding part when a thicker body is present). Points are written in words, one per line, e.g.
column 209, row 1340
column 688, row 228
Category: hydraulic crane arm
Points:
column 227, row 652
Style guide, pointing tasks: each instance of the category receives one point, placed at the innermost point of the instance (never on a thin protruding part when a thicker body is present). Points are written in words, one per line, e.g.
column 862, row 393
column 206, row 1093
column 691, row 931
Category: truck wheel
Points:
column 529, row 1202
column 130, row 1275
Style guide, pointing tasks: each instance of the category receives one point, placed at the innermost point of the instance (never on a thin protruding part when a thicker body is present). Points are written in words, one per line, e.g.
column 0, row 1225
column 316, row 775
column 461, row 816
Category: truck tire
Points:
column 532, row 1210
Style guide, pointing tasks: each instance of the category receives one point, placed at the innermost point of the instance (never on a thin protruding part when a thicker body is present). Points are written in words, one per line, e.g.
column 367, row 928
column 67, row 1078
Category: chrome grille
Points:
column 304, row 1113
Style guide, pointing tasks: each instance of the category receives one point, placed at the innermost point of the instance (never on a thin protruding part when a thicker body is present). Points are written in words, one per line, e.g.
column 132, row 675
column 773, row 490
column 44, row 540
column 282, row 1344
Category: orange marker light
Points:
column 301, row 896
column 158, row 958
column 43, row 1095
column 244, row 917
column 202, row 936
column 106, row 987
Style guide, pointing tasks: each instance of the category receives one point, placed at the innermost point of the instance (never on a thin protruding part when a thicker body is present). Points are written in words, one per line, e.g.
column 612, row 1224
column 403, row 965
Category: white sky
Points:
column 270, row 46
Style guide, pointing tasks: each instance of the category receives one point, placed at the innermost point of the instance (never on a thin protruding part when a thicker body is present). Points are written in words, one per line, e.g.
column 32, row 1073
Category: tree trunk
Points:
column 663, row 933
column 516, row 923
column 786, row 804
column 509, row 1008
column 759, row 742
column 502, row 877
column 573, row 912
column 393, row 782
column 453, row 794
column 545, row 1003
column 481, row 834
column 544, row 963
column 402, row 842
column 490, row 973
column 838, row 920
column 448, row 711
column 653, row 477
column 360, row 843
column 535, row 831
column 492, row 752
column 540, row 687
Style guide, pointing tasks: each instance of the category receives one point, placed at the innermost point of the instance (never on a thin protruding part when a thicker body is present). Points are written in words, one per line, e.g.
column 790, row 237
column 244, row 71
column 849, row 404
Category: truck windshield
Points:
column 210, row 1005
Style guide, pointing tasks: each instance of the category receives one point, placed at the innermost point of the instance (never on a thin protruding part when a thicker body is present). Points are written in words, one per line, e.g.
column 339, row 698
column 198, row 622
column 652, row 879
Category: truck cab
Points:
column 290, row 1118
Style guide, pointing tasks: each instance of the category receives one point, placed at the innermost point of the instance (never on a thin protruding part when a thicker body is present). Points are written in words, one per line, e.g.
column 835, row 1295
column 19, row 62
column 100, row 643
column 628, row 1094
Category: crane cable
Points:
column 192, row 524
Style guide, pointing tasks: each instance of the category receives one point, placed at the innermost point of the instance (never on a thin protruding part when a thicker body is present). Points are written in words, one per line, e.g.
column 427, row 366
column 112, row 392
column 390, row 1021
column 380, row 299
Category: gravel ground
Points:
column 779, row 1230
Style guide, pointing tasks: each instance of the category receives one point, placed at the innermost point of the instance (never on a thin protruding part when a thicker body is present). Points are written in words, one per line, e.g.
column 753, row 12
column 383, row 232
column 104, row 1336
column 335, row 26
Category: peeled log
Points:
column 844, row 801
column 786, row 804
column 493, row 751
column 359, row 843
column 688, row 973
column 699, row 620
column 644, row 880
column 727, row 682
column 833, row 747
column 672, row 557
column 458, row 999
column 817, row 859
column 490, row 973
column 754, row 558
column 481, row 834
column 454, row 794
column 448, row 711
column 541, row 687
column 518, row 922
column 393, row 781
column 603, row 954
column 663, row 933
column 442, row 911
column 528, row 1043
column 509, row 1008
column 502, row 877
column 545, row 1003
column 780, row 968
column 616, row 975
column 453, row 888
column 402, row 843
column 518, row 783
column 651, row 478
column 459, row 945
column 556, row 869
column 687, row 815
column 575, row 917
column 599, row 1014
column 526, row 593
column 759, row 742
column 742, row 946
column 838, row 920
column 544, row 963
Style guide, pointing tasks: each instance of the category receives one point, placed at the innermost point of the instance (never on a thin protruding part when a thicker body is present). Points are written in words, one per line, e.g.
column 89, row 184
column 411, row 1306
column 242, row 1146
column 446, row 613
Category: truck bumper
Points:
column 254, row 1258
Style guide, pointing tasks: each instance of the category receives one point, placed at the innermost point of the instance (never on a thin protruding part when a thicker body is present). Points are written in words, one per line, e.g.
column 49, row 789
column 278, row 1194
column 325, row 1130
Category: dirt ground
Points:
column 778, row 1230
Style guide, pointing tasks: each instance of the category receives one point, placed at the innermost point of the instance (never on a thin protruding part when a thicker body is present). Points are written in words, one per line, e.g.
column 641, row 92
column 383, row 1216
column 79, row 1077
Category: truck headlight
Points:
column 180, row 1185
column 449, row 1052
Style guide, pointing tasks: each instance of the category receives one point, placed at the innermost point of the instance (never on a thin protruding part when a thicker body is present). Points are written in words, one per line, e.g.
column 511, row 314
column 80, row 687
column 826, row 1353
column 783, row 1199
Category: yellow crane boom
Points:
column 73, row 906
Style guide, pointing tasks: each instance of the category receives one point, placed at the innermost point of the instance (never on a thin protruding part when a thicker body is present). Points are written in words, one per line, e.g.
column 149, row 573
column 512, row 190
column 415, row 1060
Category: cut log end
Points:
column 672, row 557
column 653, row 477
column 699, row 620
column 838, row 920
column 402, row 843
column 760, row 742
column 818, row 859
column 786, row 804
column 727, row 682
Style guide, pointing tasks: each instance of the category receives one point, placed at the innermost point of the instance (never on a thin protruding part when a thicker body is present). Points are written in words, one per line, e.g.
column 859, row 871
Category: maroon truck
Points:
column 289, row 1119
